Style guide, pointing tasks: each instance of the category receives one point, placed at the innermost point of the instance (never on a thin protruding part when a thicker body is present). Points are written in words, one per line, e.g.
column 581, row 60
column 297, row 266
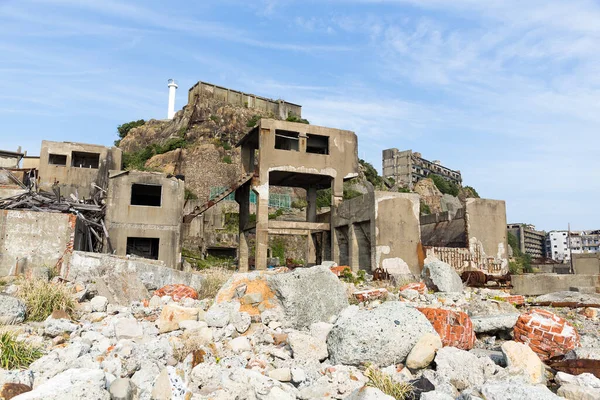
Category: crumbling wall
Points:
column 440, row 230
column 31, row 239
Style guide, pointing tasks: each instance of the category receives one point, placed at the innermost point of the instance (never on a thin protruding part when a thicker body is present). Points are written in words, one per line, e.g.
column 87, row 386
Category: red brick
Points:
column 454, row 327
column 418, row 286
column 546, row 339
column 177, row 292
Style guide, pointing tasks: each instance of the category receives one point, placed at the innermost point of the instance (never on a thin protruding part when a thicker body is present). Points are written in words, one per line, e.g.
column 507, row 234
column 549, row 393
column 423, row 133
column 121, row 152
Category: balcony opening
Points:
column 146, row 195
column 317, row 144
column 143, row 247
column 85, row 160
column 287, row 140
column 57, row 159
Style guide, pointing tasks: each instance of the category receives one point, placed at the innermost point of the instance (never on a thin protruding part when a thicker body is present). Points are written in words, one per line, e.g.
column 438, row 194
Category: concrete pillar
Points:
column 311, row 208
column 262, row 224
column 337, row 196
column 242, row 196
column 353, row 259
column 311, row 250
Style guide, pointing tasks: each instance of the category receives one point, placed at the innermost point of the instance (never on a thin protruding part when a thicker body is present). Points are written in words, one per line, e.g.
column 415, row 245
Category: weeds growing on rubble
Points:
column 16, row 354
column 42, row 298
column 385, row 383
column 214, row 279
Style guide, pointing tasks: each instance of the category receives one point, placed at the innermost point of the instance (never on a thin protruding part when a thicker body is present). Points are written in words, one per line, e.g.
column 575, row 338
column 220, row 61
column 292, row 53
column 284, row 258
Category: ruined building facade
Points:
column 530, row 241
column 408, row 167
column 280, row 153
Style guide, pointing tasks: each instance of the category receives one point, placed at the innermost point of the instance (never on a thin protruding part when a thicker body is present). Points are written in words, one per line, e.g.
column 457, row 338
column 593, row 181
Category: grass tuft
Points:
column 214, row 279
column 42, row 298
column 385, row 383
column 16, row 354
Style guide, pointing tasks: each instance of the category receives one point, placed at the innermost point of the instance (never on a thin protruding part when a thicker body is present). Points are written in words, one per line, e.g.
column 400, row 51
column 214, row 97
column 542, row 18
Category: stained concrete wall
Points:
column 443, row 231
column 538, row 284
column 393, row 222
column 486, row 224
column 125, row 220
column 73, row 179
column 31, row 162
column 280, row 108
column 586, row 263
column 32, row 239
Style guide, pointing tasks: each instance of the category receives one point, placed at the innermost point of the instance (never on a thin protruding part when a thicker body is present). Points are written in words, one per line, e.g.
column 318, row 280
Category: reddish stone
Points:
column 516, row 300
column 371, row 294
column 454, row 327
column 546, row 333
column 418, row 286
column 177, row 292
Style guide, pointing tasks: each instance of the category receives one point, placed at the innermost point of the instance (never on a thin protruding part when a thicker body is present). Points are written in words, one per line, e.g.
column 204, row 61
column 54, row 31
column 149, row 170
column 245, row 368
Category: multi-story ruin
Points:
column 280, row 153
column 75, row 168
column 408, row 167
column 530, row 241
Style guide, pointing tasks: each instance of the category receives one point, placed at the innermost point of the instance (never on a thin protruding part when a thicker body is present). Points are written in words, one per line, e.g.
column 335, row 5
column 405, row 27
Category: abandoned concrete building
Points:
column 530, row 241
column 408, row 167
column 280, row 108
column 74, row 167
column 384, row 230
column 11, row 159
column 143, row 215
column 280, row 153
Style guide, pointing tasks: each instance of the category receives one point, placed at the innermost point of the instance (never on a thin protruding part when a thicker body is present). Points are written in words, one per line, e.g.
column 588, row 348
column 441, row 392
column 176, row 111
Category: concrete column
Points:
column 353, row 259
column 337, row 196
column 242, row 196
column 311, row 208
column 262, row 224
column 311, row 250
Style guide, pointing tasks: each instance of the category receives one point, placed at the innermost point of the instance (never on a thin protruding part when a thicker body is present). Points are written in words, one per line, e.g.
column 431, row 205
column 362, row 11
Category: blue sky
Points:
column 508, row 91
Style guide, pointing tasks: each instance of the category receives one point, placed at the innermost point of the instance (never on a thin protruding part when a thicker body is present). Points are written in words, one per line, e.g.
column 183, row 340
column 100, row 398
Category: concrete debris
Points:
column 441, row 277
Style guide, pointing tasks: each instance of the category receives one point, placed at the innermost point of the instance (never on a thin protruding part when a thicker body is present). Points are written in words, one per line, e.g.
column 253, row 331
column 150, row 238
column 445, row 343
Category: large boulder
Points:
column 441, row 277
column 12, row 310
column 308, row 295
column 463, row 369
column 492, row 315
column 520, row 359
column 73, row 384
column 382, row 336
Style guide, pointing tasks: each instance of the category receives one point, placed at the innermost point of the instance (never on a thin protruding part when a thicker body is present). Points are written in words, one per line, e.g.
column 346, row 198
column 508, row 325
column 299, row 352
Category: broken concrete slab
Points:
column 568, row 299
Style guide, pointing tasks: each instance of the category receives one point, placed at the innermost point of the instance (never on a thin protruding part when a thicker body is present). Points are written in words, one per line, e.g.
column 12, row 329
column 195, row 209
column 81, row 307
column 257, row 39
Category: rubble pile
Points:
column 302, row 334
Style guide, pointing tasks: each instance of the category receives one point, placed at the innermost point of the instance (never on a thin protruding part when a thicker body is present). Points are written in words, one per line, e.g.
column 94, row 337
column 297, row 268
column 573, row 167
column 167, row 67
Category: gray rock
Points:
column 582, row 299
column 128, row 328
column 382, row 336
column 73, row 384
column 368, row 393
column 409, row 294
column 12, row 310
column 54, row 327
column 219, row 314
column 462, row 368
column 241, row 321
column 494, row 323
column 441, row 277
column 574, row 392
column 307, row 347
column 590, row 353
column 516, row 391
column 585, row 379
column 435, row 395
column 99, row 304
column 308, row 295
column 496, row 356
column 122, row 389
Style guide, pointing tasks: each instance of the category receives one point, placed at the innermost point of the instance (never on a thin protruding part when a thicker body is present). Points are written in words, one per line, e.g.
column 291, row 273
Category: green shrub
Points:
column 403, row 190
column 425, row 210
column 227, row 159
column 253, row 121
column 124, row 129
column 232, row 222
column 42, row 298
column 278, row 249
column 16, row 354
column 385, row 383
column 277, row 213
column 348, row 276
column 214, row 118
column 471, row 192
column 189, row 195
column 137, row 160
column 294, row 118
column 444, row 186
column 299, row 204
column 371, row 174
column 324, row 198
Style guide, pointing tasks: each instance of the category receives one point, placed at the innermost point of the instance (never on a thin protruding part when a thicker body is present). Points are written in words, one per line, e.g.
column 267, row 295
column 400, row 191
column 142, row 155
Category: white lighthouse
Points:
column 172, row 88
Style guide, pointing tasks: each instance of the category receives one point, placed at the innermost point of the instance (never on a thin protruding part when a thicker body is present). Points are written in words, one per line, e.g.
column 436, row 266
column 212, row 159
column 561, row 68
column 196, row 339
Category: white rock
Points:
column 520, row 359
column 516, row 391
column 172, row 314
column 463, row 369
column 54, row 327
column 128, row 328
column 585, row 379
column 240, row 344
column 298, row 375
column 122, row 389
column 281, row 374
column 575, row 392
column 368, row 393
column 435, row 395
column 423, row 352
column 241, row 321
column 99, row 304
column 72, row 384
column 12, row 310
column 306, row 347
column 189, row 325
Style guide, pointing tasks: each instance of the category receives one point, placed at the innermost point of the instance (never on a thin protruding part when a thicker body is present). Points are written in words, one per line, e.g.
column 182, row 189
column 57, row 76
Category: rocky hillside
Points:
column 198, row 143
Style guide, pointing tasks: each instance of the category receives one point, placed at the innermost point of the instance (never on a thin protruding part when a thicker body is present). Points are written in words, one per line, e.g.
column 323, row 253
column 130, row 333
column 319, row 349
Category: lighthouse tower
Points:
column 172, row 88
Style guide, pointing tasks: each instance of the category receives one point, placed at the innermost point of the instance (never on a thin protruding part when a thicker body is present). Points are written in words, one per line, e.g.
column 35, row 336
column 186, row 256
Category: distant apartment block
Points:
column 408, row 167
column 561, row 244
column 530, row 241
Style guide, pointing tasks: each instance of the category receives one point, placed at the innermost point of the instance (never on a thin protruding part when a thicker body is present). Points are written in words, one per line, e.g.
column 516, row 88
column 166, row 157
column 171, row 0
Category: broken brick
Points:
column 546, row 333
column 371, row 294
column 177, row 292
column 418, row 286
column 454, row 327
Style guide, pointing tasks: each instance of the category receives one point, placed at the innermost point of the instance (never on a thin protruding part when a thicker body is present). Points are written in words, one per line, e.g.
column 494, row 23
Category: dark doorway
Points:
column 143, row 247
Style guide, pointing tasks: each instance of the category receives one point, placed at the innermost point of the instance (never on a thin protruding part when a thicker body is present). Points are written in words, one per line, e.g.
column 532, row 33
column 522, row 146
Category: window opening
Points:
column 85, row 160
column 57, row 159
column 143, row 247
column 146, row 195
column 317, row 144
column 287, row 140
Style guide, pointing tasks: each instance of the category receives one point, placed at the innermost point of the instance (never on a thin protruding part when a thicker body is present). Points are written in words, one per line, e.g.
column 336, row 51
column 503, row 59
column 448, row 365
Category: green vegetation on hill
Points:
column 521, row 262
column 371, row 174
column 124, row 129
column 137, row 160
column 444, row 186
